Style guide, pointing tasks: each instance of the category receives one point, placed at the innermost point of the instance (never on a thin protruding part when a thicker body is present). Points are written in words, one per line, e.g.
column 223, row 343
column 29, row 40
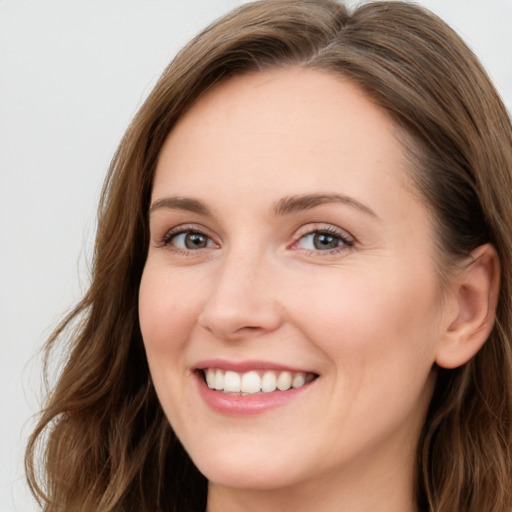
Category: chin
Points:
column 236, row 470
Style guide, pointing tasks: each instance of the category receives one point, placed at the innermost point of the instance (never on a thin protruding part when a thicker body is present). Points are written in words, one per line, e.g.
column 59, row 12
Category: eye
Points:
column 191, row 241
column 324, row 240
column 187, row 240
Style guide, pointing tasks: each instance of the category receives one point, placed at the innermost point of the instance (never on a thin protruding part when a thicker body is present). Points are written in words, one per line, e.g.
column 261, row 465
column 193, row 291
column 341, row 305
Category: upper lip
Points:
column 248, row 365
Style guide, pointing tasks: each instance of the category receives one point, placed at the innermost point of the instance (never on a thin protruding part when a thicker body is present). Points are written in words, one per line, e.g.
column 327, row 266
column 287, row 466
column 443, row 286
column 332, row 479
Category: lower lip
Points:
column 238, row 405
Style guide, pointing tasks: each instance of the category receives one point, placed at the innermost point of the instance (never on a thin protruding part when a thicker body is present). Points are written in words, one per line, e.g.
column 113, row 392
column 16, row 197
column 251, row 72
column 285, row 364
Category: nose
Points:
column 242, row 302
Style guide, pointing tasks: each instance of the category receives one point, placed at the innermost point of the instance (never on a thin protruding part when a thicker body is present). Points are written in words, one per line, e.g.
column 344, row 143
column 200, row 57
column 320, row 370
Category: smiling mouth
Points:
column 254, row 382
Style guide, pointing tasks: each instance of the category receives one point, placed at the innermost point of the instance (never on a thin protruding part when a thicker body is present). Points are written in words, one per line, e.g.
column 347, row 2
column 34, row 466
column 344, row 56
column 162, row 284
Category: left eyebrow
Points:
column 305, row 202
column 180, row 203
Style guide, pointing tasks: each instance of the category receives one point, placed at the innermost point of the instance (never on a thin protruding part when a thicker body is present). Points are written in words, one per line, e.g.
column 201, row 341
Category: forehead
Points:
column 283, row 130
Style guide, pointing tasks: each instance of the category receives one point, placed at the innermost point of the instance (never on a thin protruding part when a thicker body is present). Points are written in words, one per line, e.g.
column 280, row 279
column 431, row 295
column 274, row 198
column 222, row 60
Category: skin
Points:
column 366, row 317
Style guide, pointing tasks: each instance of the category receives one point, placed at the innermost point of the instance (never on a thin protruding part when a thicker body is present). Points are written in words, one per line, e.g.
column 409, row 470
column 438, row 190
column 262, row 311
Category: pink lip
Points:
column 245, row 366
column 238, row 405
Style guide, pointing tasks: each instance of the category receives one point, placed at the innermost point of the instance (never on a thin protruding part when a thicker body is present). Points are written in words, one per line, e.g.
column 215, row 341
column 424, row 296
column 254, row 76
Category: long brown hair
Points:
column 106, row 443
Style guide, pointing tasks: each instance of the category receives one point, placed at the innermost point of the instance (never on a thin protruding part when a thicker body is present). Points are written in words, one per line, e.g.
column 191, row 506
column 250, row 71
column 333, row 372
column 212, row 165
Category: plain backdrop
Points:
column 72, row 75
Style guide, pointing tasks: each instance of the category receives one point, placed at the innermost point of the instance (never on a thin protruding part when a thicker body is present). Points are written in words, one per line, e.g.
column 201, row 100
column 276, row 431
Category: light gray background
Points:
column 72, row 75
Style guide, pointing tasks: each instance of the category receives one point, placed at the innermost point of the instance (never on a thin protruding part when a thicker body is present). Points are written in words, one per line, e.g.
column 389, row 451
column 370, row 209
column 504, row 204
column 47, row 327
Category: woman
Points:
column 302, row 272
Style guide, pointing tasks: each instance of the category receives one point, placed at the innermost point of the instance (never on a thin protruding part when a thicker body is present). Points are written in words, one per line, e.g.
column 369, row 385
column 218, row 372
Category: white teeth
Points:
column 268, row 382
column 253, row 381
column 298, row 380
column 210, row 378
column 232, row 382
column 219, row 380
column 284, row 381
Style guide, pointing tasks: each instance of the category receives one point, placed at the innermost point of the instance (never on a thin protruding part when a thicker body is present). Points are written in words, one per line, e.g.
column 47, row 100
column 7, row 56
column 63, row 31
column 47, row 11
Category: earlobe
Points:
column 475, row 295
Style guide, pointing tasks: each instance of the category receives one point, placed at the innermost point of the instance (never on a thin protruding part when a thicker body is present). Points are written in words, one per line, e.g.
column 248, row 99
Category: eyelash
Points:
column 181, row 230
column 346, row 242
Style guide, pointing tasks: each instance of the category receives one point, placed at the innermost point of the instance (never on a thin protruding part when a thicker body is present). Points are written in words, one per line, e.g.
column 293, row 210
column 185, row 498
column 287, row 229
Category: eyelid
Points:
column 330, row 229
column 165, row 240
column 346, row 238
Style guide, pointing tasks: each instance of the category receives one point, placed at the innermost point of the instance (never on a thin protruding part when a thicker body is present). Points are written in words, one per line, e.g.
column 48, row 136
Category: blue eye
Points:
column 323, row 241
column 189, row 240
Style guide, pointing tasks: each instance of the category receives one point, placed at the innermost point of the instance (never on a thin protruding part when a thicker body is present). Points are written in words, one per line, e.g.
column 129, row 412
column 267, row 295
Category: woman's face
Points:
column 288, row 249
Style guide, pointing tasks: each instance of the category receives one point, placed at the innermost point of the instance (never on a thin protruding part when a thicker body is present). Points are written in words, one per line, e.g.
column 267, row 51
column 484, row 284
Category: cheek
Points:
column 369, row 320
column 166, row 313
column 166, row 316
column 380, row 337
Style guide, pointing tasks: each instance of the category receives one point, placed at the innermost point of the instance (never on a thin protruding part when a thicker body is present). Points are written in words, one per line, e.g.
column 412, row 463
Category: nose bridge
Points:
column 241, row 300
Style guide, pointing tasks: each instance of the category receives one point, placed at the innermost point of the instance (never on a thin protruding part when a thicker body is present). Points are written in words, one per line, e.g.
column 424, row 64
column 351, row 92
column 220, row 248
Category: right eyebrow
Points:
column 180, row 203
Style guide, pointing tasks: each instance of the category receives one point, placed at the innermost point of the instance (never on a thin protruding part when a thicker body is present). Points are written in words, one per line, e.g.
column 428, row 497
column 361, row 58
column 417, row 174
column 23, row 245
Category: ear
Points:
column 474, row 295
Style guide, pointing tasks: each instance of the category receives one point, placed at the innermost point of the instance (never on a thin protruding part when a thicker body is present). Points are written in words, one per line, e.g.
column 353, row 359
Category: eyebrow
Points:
column 181, row 203
column 305, row 202
column 284, row 206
